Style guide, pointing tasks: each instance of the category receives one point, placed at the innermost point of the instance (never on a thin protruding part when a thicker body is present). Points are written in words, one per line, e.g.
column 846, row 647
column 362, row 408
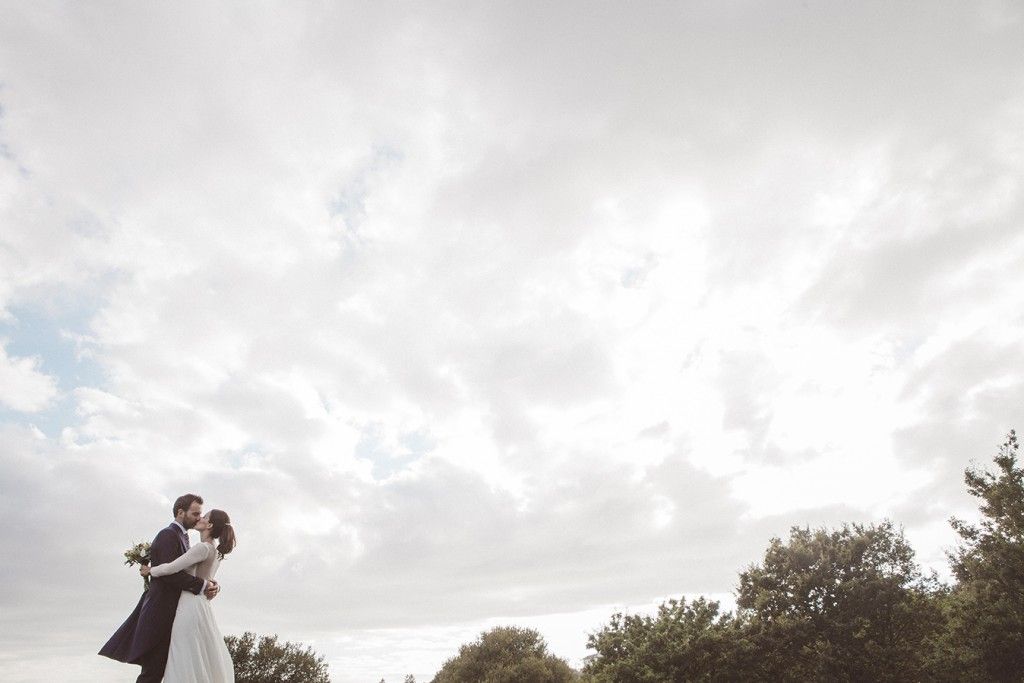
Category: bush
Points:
column 268, row 661
column 507, row 654
column 683, row 642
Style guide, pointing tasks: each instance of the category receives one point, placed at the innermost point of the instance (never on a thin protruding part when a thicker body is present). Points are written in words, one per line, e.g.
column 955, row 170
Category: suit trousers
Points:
column 154, row 662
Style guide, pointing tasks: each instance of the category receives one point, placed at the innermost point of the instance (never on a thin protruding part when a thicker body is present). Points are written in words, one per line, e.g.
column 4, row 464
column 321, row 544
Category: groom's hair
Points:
column 185, row 502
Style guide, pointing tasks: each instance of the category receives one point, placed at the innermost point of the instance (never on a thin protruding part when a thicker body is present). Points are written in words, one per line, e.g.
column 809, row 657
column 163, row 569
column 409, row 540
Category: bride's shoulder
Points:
column 201, row 550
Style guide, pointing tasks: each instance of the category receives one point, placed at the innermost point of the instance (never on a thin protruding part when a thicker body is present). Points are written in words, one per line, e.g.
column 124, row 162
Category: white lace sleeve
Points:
column 194, row 555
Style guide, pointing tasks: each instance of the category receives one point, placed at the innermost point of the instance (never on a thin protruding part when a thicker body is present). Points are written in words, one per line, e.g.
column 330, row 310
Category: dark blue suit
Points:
column 146, row 635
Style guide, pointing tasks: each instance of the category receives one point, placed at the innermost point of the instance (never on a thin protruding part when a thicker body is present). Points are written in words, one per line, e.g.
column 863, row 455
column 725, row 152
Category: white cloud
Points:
column 22, row 386
column 475, row 311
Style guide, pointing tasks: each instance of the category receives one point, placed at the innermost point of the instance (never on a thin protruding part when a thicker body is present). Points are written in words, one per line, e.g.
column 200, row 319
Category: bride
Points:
column 198, row 653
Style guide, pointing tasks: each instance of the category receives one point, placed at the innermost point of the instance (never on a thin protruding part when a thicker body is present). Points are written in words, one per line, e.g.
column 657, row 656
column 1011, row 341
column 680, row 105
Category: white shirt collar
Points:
column 183, row 530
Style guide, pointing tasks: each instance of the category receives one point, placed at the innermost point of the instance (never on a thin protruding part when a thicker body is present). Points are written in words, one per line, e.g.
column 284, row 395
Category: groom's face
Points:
column 192, row 515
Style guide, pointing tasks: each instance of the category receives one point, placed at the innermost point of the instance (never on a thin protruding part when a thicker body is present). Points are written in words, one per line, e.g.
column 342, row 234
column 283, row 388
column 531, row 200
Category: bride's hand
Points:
column 144, row 570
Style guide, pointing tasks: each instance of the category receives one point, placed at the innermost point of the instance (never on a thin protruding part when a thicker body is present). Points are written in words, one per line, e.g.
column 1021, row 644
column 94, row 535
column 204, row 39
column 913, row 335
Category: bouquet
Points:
column 138, row 554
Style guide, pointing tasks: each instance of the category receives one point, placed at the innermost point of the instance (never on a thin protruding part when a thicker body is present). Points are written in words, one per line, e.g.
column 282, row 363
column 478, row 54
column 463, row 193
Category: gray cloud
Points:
column 491, row 310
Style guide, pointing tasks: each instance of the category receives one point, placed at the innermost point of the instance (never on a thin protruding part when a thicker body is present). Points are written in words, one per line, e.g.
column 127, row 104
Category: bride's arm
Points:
column 166, row 547
column 194, row 555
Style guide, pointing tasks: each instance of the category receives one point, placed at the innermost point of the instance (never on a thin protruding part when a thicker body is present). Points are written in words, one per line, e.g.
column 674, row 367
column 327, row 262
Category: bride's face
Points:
column 203, row 523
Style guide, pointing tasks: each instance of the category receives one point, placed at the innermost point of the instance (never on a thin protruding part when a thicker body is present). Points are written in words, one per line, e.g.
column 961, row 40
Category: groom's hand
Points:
column 212, row 588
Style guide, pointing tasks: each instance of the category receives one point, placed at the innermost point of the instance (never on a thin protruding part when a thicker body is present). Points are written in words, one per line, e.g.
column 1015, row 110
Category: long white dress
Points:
column 198, row 653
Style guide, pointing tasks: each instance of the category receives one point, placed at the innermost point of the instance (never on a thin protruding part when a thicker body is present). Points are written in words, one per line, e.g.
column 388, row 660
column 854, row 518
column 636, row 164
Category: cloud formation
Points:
column 492, row 311
column 22, row 386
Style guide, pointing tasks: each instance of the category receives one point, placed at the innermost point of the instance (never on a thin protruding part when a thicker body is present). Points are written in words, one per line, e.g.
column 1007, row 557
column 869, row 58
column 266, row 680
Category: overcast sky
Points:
column 489, row 313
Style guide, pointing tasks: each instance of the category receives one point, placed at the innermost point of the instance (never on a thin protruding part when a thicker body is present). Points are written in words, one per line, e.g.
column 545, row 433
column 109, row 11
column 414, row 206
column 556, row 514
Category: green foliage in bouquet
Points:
column 138, row 554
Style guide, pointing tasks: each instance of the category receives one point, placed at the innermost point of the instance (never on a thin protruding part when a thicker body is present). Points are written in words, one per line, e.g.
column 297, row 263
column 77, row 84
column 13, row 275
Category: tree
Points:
column 683, row 642
column 268, row 661
column 507, row 654
column 845, row 605
column 986, row 608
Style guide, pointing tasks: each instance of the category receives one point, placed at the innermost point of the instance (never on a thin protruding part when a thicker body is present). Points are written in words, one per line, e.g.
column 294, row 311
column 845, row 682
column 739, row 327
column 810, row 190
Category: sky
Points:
column 486, row 313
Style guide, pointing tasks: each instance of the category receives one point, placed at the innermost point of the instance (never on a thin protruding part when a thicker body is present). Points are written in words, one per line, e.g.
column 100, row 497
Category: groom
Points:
column 146, row 635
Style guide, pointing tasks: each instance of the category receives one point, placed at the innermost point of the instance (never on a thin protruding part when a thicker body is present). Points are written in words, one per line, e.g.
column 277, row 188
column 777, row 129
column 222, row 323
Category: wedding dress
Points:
column 197, row 653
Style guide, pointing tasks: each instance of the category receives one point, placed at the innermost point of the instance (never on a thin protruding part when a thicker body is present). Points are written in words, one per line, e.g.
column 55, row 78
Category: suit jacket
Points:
column 149, row 625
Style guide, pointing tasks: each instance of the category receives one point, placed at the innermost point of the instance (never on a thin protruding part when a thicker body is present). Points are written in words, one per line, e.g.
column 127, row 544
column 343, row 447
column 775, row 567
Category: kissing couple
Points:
column 172, row 633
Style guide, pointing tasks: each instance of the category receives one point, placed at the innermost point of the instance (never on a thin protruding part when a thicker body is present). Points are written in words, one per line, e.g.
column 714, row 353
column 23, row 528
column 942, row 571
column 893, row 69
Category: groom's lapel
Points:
column 180, row 536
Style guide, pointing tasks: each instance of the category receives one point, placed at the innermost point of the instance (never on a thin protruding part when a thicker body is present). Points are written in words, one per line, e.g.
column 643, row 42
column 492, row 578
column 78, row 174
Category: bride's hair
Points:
column 222, row 531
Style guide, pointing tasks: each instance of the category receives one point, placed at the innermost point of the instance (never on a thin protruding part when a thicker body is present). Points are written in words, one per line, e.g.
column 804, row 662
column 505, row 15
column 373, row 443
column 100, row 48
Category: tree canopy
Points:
column 507, row 654
column 986, row 607
column 847, row 604
column 841, row 605
column 268, row 661
column 682, row 642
